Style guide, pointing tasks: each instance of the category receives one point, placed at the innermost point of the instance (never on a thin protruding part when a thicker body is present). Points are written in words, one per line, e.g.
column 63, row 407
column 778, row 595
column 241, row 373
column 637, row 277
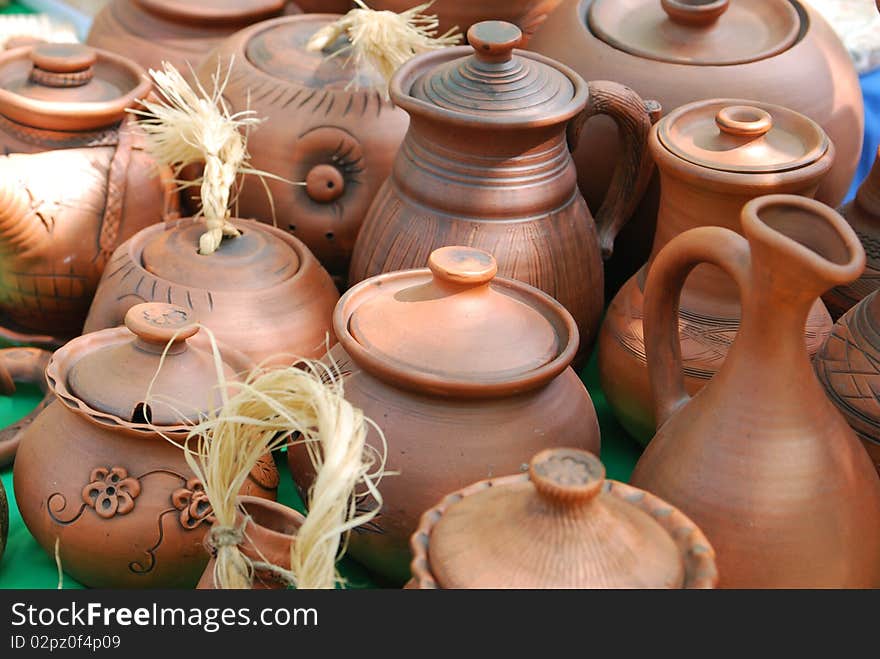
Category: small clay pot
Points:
column 561, row 525
column 101, row 471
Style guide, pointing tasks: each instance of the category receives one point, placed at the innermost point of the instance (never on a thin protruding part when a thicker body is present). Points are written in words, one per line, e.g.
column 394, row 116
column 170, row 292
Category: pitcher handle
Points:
column 634, row 118
column 21, row 365
column 715, row 245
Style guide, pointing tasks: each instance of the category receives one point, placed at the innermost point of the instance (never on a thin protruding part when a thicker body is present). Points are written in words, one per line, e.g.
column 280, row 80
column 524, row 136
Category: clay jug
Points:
column 486, row 163
column 713, row 157
column 760, row 459
column 561, row 525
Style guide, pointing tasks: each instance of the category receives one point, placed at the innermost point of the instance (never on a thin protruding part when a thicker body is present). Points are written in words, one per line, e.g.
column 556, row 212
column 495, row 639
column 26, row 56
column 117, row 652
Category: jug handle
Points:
column 715, row 245
column 634, row 118
column 21, row 365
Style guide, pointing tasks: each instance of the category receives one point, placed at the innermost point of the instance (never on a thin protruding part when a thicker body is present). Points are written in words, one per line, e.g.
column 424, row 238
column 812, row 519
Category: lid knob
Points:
column 466, row 266
column 494, row 41
column 744, row 121
column 62, row 64
column 157, row 323
column 324, row 183
column 700, row 13
column 567, row 475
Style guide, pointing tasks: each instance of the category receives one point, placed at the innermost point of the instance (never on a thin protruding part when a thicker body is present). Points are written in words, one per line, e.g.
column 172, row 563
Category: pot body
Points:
column 123, row 505
column 437, row 445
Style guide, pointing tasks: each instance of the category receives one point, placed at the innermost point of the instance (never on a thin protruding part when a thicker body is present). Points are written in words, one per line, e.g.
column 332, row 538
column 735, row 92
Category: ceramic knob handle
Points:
column 62, row 64
column 466, row 266
column 325, row 183
column 743, row 120
column 694, row 12
column 157, row 323
column 567, row 476
column 494, row 41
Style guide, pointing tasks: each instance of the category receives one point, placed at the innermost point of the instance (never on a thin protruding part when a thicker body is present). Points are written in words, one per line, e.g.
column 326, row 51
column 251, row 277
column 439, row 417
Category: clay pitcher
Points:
column 760, row 459
column 486, row 164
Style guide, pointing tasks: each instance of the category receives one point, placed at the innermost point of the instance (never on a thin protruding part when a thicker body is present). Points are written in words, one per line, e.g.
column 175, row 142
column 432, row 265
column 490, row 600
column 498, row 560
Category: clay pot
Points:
column 78, row 183
column 486, row 163
column 713, row 157
column 680, row 51
column 325, row 6
column 561, row 525
column 270, row 530
column 325, row 124
column 467, row 374
column 760, row 459
column 262, row 292
column 93, row 473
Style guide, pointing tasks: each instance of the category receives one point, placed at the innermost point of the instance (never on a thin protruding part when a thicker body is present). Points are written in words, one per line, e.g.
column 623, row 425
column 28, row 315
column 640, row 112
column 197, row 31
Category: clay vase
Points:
column 466, row 373
column 760, row 459
column 713, row 157
column 325, row 125
column 268, row 533
column 94, row 474
column 262, row 292
column 486, row 163
column 561, row 525
column 681, row 51
column 77, row 184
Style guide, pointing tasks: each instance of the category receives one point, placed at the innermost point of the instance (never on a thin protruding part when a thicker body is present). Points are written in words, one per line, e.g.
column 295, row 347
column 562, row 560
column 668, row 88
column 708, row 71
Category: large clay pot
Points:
column 561, row 525
column 468, row 376
column 486, row 163
column 325, row 125
column 94, row 475
column 713, row 157
column 680, row 51
column 261, row 292
column 760, row 459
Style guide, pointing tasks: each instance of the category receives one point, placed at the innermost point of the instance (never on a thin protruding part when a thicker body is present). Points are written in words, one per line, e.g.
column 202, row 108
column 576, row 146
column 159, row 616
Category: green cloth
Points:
column 14, row 8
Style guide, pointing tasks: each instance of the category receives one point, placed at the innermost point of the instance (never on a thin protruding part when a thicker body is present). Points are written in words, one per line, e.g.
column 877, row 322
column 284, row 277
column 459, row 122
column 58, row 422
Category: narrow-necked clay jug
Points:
column 467, row 373
column 561, row 525
column 713, row 157
column 486, row 163
column 96, row 471
column 325, row 124
column 760, row 459
column 262, row 292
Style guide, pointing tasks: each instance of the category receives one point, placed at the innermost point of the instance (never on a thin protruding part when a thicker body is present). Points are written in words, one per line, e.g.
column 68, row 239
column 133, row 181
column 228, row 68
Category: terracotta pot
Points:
column 680, row 51
column 262, row 292
column 325, row 6
column 562, row 525
column 4, row 519
column 708, row 172
column 270, row 530
column 181, row 32
column 486, row 163
column 95, row 476
column 760, row 459
column 324, row 124
column 26, row 365
column 78, row 184
column 467, row 374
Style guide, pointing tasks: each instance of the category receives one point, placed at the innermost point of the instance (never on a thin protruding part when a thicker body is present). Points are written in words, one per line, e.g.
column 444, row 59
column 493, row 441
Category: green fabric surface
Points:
column 14, row 8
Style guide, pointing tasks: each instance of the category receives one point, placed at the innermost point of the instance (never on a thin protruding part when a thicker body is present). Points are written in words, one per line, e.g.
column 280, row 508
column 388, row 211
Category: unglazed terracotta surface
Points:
column 760, row 459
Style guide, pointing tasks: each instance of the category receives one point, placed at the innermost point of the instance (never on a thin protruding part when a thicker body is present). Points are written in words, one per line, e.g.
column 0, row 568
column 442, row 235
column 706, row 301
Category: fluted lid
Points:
column 214, row 11
column 736, row 135
column 699, row 32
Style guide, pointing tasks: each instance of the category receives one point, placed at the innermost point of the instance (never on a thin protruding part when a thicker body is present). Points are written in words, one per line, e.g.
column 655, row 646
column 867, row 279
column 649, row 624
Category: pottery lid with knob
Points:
column 107, row 374
column 490, row 82
column 456, row 328
column 697, row 32
column 214, row 12
column 561, row 525
column 68, row 86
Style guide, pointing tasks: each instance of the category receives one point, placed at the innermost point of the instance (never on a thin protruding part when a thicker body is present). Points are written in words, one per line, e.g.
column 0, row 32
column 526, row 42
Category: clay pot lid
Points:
column 735, row 135
column 559, row 526
column 698, row 32
column 254, row 260
column 214, row 11
column 113, row 376
column 68, row 86
column 456, row 328
column 491, row 82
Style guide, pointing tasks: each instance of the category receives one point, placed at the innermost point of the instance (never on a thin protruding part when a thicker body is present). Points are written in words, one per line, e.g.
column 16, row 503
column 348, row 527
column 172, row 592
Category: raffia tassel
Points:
column 385, row 40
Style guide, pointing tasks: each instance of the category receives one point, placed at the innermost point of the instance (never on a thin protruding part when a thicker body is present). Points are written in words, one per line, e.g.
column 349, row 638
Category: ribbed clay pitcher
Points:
column 760, row 459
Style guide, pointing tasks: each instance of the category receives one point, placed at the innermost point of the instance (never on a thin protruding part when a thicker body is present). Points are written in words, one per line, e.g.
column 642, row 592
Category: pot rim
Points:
column 233, row 15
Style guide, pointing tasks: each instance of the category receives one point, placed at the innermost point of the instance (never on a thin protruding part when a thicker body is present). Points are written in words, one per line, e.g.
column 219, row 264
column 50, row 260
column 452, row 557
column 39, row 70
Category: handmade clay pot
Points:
column 96, row 477
column 268, row 533
column 78, row 183
column 713, row 157
column 680, row 51
column 486, row 163
column 262, row 292
column 561, row 525
column 466, row 373
column 4, row 519
column 325, row 124
column 760, row 459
